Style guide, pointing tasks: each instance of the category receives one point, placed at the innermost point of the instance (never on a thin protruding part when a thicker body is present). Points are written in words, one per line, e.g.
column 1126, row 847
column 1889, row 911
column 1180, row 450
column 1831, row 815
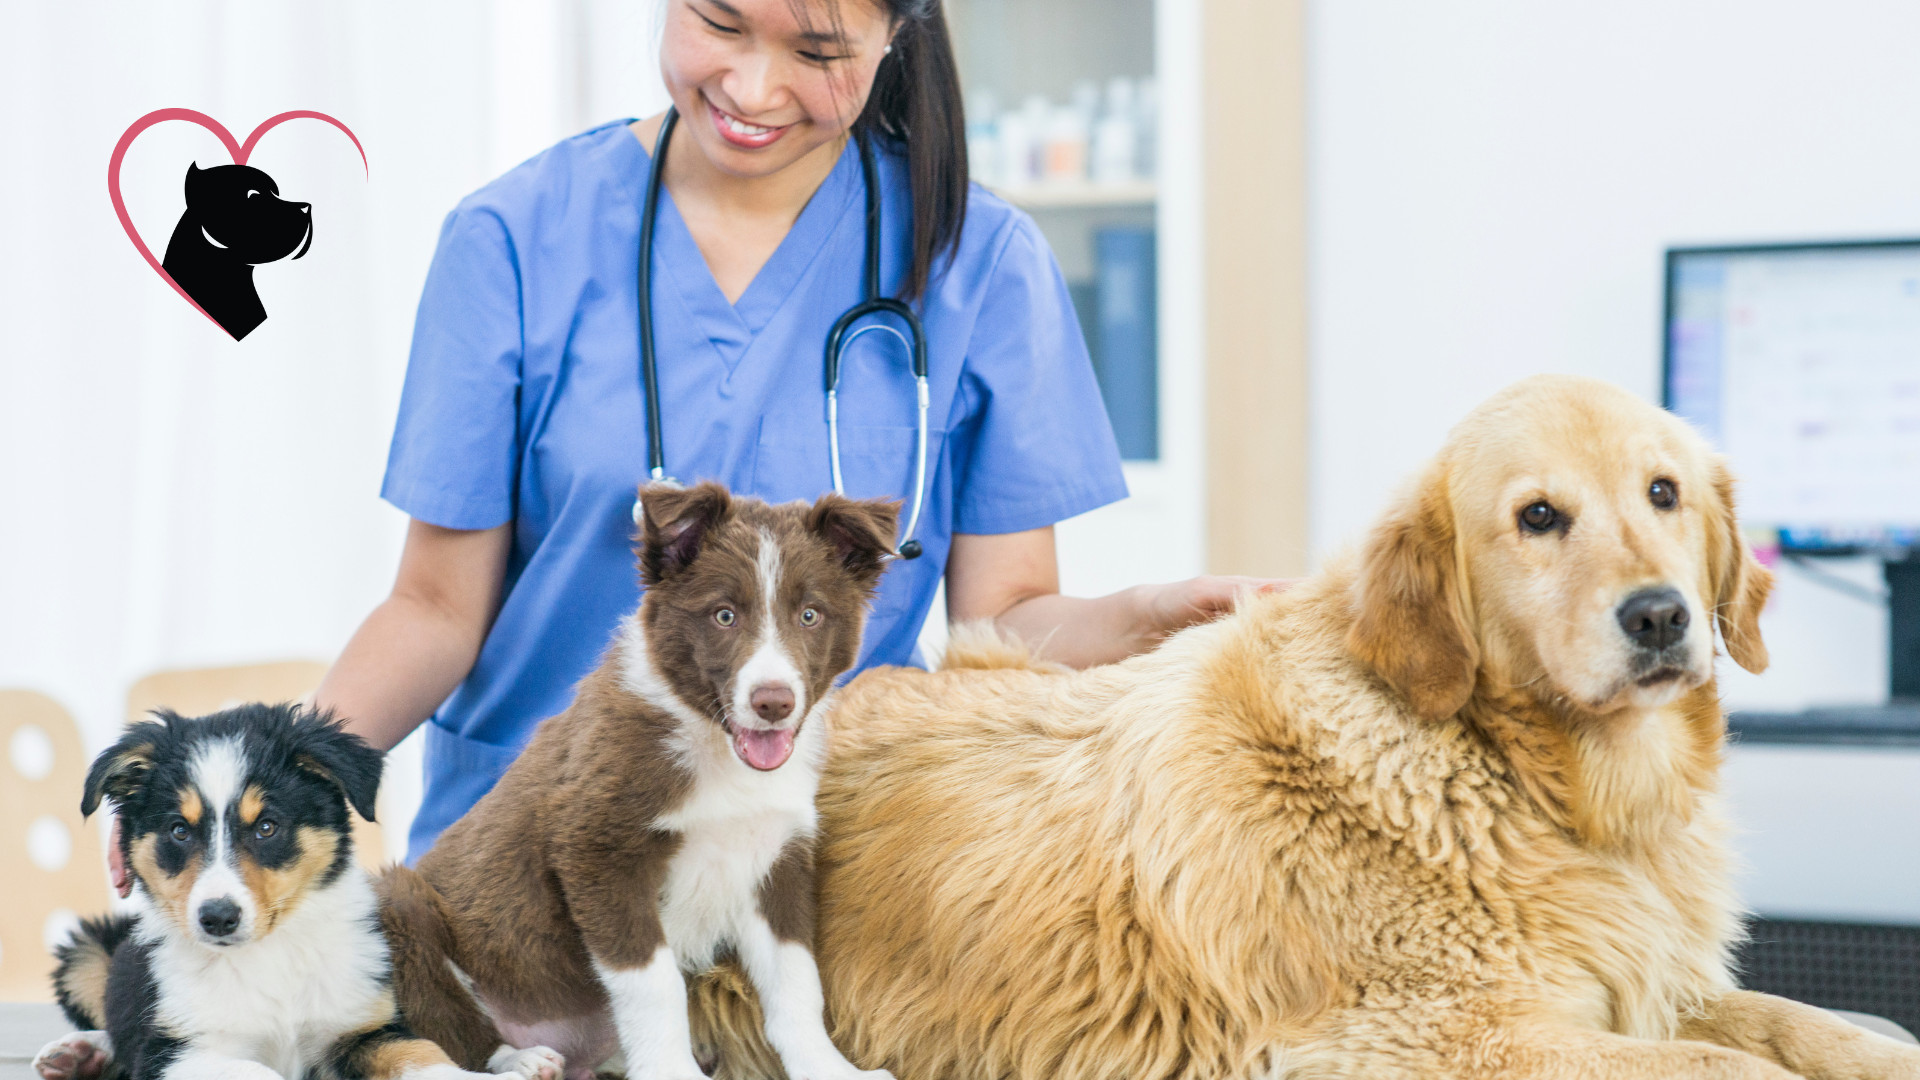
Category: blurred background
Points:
column 1304, row 238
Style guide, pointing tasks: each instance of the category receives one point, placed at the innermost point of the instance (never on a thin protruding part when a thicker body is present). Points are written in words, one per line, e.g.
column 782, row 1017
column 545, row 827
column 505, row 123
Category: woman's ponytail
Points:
column 916, row 99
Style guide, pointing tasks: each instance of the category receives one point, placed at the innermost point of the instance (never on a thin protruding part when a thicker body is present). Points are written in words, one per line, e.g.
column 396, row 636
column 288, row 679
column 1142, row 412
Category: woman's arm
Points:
column 1014, row 579
column 422, row 640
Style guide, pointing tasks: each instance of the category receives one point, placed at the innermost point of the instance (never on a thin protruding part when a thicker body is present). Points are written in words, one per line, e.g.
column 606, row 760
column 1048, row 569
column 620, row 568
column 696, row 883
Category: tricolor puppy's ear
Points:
column 860, row 530
column 323, row 748
column 121, row 770
column 674, row 522
column 1410, row 621
column 1740, row 585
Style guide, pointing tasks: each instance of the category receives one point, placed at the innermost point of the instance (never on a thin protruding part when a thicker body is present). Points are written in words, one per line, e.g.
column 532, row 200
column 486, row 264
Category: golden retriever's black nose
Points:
column 219, row 917
column 1654, row 618
column 772, row 703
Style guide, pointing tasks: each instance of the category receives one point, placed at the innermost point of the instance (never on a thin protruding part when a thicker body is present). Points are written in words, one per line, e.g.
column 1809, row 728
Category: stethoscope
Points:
column 837, row 339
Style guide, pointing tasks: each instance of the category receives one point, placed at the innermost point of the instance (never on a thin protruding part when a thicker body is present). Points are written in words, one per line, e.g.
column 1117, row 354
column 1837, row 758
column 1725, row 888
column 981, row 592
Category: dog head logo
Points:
column 235, row 220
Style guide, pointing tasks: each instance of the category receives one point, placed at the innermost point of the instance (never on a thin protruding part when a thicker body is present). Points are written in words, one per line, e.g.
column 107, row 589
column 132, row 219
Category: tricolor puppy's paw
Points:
column 533, row 1063
column 81, row 1055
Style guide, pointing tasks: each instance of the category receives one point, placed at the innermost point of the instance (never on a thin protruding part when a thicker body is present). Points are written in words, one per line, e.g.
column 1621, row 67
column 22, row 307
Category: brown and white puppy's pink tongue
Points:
column 764, row 750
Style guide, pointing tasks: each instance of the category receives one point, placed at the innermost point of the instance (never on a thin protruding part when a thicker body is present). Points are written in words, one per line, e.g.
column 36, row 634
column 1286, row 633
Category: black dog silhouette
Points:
column 235, row 220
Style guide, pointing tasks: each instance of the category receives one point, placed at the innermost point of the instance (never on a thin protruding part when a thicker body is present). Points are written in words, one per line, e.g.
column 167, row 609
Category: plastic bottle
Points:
column 983, row 142
column 1066, row 145
column 1116, row 143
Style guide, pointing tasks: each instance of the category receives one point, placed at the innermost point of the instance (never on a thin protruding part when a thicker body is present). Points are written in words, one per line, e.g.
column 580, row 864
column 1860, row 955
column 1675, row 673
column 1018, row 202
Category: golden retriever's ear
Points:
column 1740, row 583
column 1410, row 626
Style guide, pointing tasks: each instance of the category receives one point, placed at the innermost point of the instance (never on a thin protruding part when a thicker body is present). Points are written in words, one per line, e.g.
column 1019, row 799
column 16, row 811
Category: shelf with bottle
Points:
column 1097, row 149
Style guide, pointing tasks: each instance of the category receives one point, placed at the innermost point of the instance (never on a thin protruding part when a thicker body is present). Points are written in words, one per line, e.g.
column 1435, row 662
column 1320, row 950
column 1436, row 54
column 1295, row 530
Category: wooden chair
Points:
column 195, row 691
column 50, row 860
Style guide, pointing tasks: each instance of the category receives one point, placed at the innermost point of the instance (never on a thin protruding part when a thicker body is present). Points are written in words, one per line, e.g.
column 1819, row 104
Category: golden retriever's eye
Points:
column 181, row 834
column 809, row 617
column 265, row 830
column 1664, row 494
column 1539, row 517
column 725, row 616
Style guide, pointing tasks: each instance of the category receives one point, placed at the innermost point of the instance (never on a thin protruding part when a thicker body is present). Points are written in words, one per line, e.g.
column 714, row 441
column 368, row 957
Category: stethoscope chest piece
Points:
column 914, row 339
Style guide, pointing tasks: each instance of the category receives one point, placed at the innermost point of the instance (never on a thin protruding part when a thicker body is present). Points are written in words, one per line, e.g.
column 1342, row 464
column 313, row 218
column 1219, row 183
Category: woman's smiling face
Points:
column 762, row 83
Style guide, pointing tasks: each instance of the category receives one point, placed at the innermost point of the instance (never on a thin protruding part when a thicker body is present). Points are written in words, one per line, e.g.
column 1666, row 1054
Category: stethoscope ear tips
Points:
column 911, row 549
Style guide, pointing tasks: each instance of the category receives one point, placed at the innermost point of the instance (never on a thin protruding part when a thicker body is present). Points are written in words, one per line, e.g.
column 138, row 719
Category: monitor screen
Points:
column 1802, row 364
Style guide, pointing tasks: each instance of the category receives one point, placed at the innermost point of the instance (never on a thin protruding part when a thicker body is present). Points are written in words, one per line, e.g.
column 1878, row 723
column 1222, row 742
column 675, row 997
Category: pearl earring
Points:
column 886, row 50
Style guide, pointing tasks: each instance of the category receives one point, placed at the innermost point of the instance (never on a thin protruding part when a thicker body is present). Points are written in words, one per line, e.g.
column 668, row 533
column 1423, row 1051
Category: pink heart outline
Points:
column 238, row 151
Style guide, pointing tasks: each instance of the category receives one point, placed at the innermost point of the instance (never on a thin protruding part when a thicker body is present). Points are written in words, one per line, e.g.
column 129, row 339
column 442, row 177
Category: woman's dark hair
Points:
column 916, row 100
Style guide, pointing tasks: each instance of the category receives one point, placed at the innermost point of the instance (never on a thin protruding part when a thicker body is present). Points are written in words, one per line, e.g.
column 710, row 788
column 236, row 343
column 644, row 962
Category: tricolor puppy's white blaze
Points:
column 219, row 774
column 771, row 663
column 649, row 1006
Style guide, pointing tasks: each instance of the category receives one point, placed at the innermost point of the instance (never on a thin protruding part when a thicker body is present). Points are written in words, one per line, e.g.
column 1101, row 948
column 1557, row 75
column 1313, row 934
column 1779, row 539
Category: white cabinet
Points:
column 1031, row 65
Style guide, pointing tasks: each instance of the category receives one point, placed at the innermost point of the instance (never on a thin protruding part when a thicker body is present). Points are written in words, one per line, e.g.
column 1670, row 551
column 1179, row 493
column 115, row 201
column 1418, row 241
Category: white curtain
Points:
column 170, row 497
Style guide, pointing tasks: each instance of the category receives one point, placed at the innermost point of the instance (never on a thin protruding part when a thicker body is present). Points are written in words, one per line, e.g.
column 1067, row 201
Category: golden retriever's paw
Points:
column 533, row 1063
column 81, row 1055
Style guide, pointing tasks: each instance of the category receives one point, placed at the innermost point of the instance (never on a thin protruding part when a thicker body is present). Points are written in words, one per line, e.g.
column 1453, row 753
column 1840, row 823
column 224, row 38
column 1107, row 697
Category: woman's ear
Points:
column 1410, row 624
column 674, row 522
column 861, row 531
column 121, row 770
column 1740, row 584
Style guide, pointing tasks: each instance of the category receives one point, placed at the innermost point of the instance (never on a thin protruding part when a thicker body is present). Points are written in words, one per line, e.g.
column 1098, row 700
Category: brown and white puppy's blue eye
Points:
column 181, row 833
column 1664, row 494
column 1539, row 517
column 809, row 616
column 725, row 617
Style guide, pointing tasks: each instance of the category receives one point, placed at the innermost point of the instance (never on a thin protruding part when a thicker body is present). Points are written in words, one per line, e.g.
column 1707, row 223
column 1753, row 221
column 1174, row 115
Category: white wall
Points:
column 172, row 498
column 1492, row 185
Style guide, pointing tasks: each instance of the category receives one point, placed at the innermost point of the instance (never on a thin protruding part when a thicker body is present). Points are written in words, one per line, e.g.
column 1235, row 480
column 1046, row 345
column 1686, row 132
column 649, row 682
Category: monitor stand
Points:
column 1897, row 723
column 1903, row 628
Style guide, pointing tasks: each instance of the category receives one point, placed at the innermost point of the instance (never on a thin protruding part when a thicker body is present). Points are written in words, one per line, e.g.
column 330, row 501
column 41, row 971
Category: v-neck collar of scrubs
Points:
column 732, row 328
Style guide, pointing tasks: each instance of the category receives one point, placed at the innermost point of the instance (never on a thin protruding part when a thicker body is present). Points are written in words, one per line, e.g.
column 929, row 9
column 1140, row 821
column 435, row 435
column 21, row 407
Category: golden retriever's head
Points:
column 1570, row 539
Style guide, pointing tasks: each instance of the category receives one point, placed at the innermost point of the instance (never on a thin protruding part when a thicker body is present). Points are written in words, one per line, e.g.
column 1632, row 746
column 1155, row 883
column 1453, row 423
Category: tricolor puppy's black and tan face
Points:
column 753, row 610
column 229, row 821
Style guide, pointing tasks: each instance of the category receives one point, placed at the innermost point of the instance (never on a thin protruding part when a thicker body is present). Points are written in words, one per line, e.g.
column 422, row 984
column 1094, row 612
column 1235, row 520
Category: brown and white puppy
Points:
column 666, row 819
column 256, row 951
column 1445, row 810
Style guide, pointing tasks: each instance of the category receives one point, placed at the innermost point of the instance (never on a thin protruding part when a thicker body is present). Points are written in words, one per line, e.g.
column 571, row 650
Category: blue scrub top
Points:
column 523, row 404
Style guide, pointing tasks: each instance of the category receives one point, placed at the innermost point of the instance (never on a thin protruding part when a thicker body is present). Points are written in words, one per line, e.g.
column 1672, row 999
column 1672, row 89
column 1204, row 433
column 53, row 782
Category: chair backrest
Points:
column 196, row 691
column 50, row 860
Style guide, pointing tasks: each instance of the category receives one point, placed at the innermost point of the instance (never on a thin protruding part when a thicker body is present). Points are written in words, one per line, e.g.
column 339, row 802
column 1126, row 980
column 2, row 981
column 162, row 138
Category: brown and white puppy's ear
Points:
column 860, row 530
column 1739, row 584
column 674, row 522
column 122, row 768
column 1410, row 621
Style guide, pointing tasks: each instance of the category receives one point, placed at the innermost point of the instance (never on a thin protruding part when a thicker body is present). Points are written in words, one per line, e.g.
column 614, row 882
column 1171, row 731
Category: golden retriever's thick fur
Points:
column 1430, row 814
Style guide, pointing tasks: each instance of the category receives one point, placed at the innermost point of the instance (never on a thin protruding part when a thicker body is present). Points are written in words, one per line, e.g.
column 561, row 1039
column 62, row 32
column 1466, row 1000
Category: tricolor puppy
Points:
column 666, row 819
column 256, row 951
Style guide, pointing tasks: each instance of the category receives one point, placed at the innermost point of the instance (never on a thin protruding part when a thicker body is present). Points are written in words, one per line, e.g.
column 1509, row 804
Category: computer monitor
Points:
column 1801, row 362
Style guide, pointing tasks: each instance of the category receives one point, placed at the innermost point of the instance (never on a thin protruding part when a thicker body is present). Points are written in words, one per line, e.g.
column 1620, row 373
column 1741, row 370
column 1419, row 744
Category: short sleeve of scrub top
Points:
column 522, row 407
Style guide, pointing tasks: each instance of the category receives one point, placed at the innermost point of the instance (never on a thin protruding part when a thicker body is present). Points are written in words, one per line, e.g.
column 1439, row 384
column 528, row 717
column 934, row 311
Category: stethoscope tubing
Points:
column 838, row 338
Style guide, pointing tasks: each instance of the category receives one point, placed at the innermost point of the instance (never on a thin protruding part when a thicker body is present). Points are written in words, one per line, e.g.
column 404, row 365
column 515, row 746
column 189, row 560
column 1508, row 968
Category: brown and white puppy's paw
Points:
column 79, row 1055
column 533, row 1063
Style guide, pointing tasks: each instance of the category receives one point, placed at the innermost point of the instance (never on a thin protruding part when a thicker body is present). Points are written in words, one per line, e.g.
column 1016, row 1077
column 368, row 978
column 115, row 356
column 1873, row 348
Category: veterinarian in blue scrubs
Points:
column 522, row 431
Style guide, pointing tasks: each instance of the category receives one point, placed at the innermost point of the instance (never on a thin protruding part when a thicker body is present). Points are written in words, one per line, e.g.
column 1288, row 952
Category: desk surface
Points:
column 24, row 1029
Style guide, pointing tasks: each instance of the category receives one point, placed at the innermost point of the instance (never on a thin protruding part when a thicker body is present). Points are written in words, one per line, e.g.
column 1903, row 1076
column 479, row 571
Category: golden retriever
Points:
column 1445, row 810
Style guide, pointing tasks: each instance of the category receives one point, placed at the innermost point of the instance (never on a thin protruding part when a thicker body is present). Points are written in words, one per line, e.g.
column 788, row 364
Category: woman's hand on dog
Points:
column 1170, row 608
